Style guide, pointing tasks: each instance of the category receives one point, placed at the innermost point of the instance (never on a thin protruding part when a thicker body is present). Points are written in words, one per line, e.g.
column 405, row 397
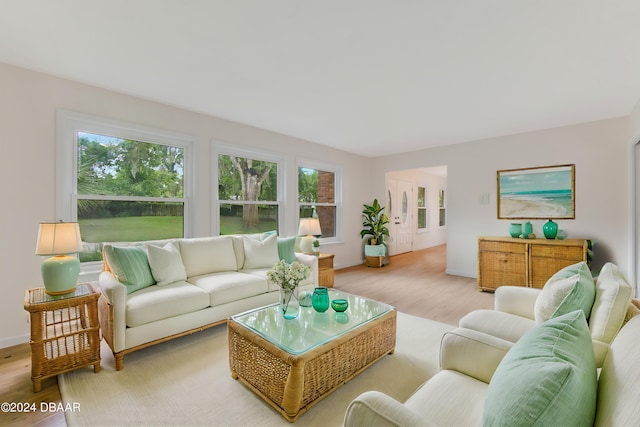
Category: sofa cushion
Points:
column 130, row 266
column 449, row 392
column 287, row 249
column 166, row 264
column 161, row 302
column 208, row 255
column 569, row 289
column 497, row 323
column 613, row 296
column 547, row 378
column 229, row 286
column 618, row 403
column 260, row 253
column 238, row 246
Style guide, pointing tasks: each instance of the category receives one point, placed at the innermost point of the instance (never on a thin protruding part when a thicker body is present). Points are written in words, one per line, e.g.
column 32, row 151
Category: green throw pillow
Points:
column 571, row 288
column 547, row 378
column 286, row 249
column 130, row 265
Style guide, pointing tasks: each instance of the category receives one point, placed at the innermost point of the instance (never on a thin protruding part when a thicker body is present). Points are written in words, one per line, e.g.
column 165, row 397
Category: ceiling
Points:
column 372, row 77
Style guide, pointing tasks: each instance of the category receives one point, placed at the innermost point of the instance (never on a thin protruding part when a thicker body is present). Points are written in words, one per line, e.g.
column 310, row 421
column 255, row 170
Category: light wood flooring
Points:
column 414, row 283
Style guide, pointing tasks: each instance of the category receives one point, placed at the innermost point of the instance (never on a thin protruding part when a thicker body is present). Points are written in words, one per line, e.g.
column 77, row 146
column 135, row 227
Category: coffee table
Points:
column 293, row 364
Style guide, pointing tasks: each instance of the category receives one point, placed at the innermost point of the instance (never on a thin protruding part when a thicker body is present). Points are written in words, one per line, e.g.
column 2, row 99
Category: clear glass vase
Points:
column 289, row 304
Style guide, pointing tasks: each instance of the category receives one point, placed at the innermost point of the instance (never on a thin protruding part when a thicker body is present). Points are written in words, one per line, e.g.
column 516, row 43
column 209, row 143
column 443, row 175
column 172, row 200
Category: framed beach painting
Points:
column 546, row 192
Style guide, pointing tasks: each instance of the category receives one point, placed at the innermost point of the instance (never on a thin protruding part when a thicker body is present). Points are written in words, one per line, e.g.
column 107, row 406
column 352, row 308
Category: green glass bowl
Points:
column 340, row 304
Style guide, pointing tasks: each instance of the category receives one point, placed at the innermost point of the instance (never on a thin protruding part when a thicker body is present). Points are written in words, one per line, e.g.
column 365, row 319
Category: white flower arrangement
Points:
column 288, row 276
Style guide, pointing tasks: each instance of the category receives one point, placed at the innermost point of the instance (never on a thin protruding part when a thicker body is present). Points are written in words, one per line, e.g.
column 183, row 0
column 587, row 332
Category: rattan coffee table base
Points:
column 294, row 383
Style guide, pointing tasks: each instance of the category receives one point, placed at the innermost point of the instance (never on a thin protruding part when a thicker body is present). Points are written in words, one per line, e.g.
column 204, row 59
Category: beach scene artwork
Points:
column 537, row 193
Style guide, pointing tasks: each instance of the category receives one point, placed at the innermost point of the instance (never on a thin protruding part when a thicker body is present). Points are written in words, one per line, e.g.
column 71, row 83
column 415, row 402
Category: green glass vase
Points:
column 550, row 229
column 515, row 229
column 320, row 299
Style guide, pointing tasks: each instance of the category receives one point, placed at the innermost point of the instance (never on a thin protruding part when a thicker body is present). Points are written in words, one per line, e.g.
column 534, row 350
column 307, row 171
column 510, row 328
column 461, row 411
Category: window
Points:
column 319, row 195
column 121, row 182
column 247, row 192
column 423, row 211
column 441, row 203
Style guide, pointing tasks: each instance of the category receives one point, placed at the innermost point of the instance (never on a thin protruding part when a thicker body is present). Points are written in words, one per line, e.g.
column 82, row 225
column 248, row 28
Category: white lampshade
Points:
column 58, row 238
column 309, row 227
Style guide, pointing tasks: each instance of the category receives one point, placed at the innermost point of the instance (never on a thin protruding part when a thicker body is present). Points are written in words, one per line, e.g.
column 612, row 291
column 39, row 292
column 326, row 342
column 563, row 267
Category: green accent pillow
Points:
column 286, row 249
column 571, row 288
column 130, row 265
column 547, row 378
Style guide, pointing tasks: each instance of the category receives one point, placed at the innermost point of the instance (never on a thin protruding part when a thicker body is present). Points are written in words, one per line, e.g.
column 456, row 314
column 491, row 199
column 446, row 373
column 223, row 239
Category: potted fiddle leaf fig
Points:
column 374, row 223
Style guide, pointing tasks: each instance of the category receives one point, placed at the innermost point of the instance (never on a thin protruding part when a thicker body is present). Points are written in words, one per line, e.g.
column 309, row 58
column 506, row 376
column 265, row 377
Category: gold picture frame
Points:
column 544, row 192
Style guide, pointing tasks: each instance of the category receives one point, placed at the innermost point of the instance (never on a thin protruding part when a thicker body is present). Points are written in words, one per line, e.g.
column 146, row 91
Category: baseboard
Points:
column 11, row 341
column 461, row 273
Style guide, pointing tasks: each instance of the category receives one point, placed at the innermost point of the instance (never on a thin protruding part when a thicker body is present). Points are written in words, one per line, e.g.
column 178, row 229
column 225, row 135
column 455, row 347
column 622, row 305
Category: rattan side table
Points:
column 325, row 270
column 65, row 332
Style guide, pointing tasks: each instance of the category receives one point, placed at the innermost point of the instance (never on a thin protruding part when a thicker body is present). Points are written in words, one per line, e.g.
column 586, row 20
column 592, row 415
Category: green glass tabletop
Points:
column 311, row 329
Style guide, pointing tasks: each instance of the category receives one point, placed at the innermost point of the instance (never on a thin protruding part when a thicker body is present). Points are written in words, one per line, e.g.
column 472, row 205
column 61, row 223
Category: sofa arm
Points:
column 472, row 353
column 115, row 295
column 516, row 300
column 311, row 261
column 376, row 409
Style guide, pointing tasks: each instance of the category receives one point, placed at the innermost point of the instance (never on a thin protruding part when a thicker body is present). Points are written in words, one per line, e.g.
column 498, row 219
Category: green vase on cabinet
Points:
column 550, row 229
column 515, row 229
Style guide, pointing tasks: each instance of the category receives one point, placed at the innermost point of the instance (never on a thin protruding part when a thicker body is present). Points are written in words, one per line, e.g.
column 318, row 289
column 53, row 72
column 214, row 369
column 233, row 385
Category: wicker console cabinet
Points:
column 524, row 262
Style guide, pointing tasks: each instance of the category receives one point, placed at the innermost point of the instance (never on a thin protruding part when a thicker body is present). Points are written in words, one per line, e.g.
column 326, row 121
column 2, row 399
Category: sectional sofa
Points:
column 154, row 291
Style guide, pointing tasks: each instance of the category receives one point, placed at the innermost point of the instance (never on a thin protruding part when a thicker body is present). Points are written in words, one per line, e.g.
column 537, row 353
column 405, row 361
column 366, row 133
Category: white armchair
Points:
column 514, row 312
column 459, row 394
column 454, row 396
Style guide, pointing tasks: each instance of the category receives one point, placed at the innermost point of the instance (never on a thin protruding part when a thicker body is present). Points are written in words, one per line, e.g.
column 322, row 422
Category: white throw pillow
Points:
column 206, row 255
column 166, row 264
column 569, row 289
column 260, row 254
column 613, row 295
column 552, row 295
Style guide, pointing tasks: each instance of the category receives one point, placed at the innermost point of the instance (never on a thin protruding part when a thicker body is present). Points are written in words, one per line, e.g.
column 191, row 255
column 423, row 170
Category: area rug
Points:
column 186, row 382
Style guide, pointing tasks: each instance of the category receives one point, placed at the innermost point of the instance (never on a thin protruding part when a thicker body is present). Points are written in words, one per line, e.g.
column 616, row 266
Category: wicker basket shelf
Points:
column 373, row 261
column 65, row 332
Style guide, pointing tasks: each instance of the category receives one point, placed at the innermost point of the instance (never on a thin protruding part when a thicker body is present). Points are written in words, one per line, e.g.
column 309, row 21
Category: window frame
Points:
column 442, row 208
column 235, row 151
column 337, row 171
column 70, row 123
column 424, row 208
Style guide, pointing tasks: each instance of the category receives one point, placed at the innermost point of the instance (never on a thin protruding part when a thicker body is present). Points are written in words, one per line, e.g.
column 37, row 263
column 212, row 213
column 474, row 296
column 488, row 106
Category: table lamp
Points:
column 309, row 227
column 60, row 272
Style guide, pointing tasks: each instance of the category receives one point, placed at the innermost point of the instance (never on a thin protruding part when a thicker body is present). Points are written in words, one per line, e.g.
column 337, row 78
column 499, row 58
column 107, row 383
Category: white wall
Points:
column 598, row 149
column 28, row 118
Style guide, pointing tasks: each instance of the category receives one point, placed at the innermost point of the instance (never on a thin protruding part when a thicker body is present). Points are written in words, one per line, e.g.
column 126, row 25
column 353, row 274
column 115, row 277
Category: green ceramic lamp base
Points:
column 60, row 274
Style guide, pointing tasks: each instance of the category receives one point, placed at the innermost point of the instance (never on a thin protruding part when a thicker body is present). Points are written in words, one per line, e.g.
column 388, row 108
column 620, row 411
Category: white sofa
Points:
column 187, row 285
column 470, row 389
